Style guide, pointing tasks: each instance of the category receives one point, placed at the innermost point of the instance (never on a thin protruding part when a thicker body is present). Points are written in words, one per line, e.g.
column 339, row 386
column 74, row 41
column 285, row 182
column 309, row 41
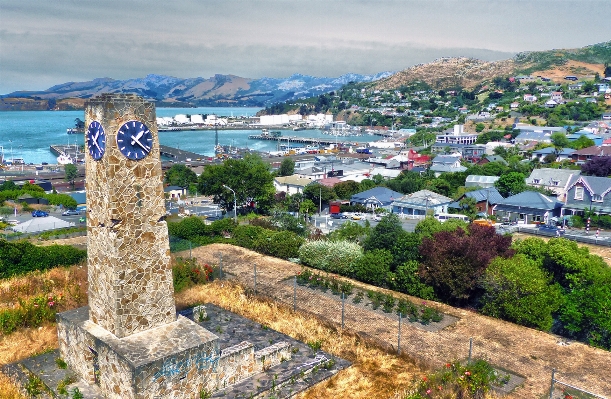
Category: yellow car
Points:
column 356, row 216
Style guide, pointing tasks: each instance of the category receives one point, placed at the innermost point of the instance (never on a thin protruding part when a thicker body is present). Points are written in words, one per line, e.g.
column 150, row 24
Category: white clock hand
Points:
column 136, row 141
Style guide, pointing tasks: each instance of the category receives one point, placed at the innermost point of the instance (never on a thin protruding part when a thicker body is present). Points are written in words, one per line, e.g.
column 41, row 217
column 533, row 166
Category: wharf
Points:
column 73, row 151
column 304, row 140
column 178, row 155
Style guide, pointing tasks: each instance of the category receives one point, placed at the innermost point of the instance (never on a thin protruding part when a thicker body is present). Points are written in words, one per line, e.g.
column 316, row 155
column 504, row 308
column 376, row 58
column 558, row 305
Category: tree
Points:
column 307, row 207
column 346, row 189
column 287, row 167
column 385, row 234
column 519, row 290
column 71, row 173
column 511, row 183
column 180, row 175
column 373, row 267
column 480, row 127
column 559, row 140
column 249, row 177
column 597, row 166
column 453, row 262
column 582, row 142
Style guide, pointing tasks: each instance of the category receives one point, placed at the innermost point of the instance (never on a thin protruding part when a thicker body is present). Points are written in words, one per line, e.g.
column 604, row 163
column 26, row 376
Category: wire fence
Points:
column 563, row 390
column 388, row 324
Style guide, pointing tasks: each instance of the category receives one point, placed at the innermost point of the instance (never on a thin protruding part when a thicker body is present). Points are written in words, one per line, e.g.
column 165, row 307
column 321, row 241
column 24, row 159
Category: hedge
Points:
column 17, row 258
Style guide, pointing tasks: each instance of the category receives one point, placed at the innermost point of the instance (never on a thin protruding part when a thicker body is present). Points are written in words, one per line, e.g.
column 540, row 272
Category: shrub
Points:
column 188, row 228
column 187, row 273
column 331, row 256
column 281, row 244
column 408, row 281
column 20, row 257
column 373, row 267
column 31, row 313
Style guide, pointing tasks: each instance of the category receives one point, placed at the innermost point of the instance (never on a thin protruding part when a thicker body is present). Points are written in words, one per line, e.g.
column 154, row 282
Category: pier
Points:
column 178, row 155
column 73, row 151
column 305, row 140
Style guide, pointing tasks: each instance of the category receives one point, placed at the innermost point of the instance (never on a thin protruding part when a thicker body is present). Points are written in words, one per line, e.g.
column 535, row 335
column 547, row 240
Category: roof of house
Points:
column 496, row 158
column 329, row 181
column 594, row 184
column 552, row 150
column 491, row 194
column 423, row 198
column 171, row 188
column 446, row 159
column 481, row 179
column 79, row 196
column 292, row 180
column 600, row 151
column 547, row 176
column 380, row 195
column 447, row 168
column 531, row 199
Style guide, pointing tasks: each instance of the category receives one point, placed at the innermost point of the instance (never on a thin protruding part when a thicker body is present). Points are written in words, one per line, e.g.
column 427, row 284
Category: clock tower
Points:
column 130, row 278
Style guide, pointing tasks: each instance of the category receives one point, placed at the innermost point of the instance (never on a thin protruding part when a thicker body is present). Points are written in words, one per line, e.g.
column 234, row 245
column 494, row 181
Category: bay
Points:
column 29, row 134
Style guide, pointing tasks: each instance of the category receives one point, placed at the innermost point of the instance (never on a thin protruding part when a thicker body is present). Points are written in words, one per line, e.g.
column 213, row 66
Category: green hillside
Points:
column 529, row 62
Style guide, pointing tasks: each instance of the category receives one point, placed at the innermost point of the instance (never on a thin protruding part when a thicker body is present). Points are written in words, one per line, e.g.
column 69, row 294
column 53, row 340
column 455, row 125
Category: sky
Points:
column 44, row 43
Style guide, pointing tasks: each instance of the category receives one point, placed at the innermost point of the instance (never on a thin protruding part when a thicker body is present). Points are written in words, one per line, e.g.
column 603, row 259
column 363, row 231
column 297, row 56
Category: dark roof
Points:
column 595, row 185
column 594, row 150
column 531, row 199
column 491, row 194
column 381, row 195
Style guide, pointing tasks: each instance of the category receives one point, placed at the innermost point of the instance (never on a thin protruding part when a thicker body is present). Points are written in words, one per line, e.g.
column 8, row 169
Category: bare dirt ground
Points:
column 523, row 351
column 576, row 68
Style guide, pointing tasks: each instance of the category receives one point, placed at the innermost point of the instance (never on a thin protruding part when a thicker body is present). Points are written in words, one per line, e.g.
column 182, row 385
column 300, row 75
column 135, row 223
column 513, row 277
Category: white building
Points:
column 456, row 136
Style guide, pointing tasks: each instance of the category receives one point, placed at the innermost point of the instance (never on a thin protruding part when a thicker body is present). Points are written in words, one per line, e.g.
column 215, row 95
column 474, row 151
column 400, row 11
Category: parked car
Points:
column 70, row 212
column 356, row 216
column 39, row 214
column 338, row 216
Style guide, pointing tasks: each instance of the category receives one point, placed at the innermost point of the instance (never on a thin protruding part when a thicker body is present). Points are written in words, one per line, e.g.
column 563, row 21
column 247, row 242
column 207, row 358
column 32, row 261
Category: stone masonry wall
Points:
column 130, row 279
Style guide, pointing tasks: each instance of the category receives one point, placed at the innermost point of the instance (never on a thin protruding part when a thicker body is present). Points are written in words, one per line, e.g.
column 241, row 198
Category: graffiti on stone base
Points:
column 201, row 361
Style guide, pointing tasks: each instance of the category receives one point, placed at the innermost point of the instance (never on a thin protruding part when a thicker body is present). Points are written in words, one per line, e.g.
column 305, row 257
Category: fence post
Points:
column 255, row 279
column 220, row 266
column 399, row 336
column 295, row 294
column 470, row 349
column 343, row 305
column 551, row 387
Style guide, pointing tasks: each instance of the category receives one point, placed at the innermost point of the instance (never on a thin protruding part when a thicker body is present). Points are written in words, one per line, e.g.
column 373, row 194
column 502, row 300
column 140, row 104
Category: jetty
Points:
column 178, row 155
column 73, row 151
column 304, row 140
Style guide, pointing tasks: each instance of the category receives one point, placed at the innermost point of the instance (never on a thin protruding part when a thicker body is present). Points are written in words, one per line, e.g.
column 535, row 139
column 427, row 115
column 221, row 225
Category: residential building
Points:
column 530, row 98
column 480, row 181
column 174, row 192
column 555, row 180
column 447, row 164
column 598, row 140
column 585, row 154
column 485, row 200
column 561, row 155
column 588, row 193
column 377, row 197
column 492, row 158
column 557, row 97
column 418, row 204
column 529, row 207
column 290, row 184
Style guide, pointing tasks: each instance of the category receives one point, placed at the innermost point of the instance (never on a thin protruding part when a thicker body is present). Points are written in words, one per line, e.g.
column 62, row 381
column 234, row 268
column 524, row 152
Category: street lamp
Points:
column 235, row 207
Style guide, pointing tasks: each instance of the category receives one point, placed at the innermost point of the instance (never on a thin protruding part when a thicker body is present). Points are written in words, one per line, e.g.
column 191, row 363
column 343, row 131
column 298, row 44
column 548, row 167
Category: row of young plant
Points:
column 422, row 313
column 552, row 286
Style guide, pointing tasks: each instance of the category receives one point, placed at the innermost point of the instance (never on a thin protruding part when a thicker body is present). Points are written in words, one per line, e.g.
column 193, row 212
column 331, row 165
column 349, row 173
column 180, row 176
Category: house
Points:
column 377, row 197
column 446, row 164
column 514, row 105
column 480, row 181
column 598, row 140
column 485, row 200
column 561, row 155
column 585, row 154
column 418, row 204
column 588, row 193
column 492, row 158
column 555, row 180
column 539, row 137
column 551, row 104
column 529, row 207
column 290, row 184
column 606, row 116
column 473, row 152
column 530, row 98
column 174, row 192
column 557, row 97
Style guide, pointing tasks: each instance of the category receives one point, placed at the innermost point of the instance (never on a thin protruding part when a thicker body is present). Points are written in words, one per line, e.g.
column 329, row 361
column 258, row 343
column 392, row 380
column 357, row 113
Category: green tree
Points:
column 582, row 142
column 385, row 234
column 511, row 183
column 71, row 173
column 346, row 189
column 249, row 177
column 559, row 140
column 518, row 290
column 287, row 167
column 307, row 207
column 373, row 267
column 180, row 175
column 480, row 127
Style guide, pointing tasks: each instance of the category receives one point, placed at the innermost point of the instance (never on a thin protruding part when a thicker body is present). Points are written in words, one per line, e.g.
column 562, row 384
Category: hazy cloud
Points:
column 44, row 43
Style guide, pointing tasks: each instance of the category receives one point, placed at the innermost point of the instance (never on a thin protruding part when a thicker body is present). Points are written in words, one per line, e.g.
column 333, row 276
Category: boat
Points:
column 64, row 159
column 74, row 130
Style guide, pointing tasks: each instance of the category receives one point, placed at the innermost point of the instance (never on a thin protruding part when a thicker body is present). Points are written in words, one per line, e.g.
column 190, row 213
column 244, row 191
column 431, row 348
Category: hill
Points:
column 219, row 90
column 447, row 73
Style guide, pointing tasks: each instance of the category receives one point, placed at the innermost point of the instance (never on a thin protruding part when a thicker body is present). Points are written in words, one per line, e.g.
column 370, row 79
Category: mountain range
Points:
column 230, row 90
column 219, row 90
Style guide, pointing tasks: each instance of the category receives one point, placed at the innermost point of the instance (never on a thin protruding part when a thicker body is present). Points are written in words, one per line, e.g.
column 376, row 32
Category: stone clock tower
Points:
column 129, row 341
column 130, row 279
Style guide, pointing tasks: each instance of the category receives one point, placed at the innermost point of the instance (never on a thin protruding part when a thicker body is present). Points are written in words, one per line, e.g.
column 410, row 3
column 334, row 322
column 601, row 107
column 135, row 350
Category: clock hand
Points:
column 136, row 141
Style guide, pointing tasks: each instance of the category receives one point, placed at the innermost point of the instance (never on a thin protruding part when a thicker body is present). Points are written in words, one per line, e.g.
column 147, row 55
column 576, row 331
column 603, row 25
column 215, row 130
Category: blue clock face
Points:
column 96, row 140
column 134, row 140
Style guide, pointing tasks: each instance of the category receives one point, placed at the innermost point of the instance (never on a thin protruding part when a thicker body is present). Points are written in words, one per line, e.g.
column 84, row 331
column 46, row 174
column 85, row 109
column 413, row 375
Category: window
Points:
column 536, row 181
column 597, row 198
column 579, row 193
column 555, row 182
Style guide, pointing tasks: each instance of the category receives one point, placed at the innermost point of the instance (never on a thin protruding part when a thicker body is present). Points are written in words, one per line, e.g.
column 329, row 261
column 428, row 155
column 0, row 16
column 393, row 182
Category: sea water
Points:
column 29, row 134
